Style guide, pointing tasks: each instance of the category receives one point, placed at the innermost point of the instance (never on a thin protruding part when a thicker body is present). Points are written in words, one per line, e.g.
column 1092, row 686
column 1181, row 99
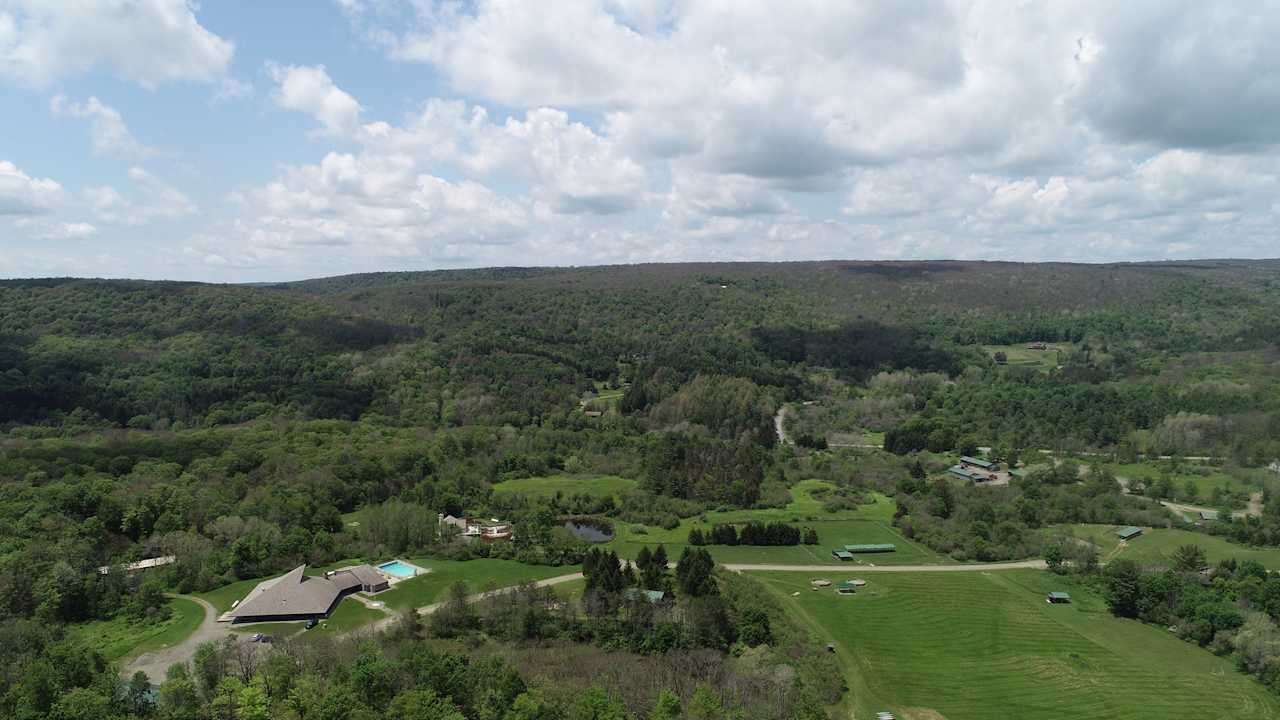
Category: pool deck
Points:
column 392, row 578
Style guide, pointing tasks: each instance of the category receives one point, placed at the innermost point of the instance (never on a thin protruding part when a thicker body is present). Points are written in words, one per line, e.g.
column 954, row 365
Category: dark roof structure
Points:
column 291, row 595
column 1128, row 533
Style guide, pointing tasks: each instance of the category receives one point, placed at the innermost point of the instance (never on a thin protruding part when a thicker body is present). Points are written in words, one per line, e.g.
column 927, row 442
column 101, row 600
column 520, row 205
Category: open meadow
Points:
column 120, row 638
column 978, row 645
column 870, row 523
column 567, row 485
column 1155, row 545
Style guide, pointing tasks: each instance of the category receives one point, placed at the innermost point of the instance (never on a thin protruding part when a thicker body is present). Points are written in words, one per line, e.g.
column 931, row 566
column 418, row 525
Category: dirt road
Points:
column 779, row 422
column 154, row 664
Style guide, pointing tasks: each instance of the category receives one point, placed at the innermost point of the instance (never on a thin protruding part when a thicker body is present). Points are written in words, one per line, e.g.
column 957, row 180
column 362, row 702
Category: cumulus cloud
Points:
column 310, row 90
column 41, row 229
column 1184, row 74
column 107, row 128
column 158, row 201
column 21, row 194
column 148, row 42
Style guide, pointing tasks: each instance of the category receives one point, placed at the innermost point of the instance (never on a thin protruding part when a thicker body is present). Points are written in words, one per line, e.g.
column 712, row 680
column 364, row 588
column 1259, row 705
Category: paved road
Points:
column 843, row 568
column 154, row 664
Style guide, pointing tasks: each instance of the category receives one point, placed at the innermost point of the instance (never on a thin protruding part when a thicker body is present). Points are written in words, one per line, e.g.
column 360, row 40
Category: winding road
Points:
column 155, row 663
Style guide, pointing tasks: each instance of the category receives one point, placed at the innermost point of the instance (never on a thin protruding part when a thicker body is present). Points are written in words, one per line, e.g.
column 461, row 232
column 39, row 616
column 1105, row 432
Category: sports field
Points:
column 975, row 645
column 1155, row 546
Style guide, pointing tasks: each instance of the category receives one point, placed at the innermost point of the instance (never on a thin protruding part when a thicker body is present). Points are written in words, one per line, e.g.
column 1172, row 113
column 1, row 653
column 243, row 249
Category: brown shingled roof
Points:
column 290, row 594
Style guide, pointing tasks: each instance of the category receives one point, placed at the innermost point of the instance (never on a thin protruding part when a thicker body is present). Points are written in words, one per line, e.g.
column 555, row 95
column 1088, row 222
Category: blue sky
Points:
column 230, row 141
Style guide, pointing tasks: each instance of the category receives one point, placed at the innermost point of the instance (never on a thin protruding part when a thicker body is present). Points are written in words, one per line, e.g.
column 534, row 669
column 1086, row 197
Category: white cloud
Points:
column 21, row 194
column 148, row 42
column 159, row 201
column 41, row 229
column 107, row 129
column 310, row 90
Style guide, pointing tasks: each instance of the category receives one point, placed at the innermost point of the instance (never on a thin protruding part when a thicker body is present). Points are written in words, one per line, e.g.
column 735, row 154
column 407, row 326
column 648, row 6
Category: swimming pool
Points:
column 399, row 569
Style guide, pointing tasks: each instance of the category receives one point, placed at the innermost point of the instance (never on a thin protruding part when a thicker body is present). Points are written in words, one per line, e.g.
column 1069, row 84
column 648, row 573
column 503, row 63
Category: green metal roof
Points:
column 963, row 472
column 842, row 554
column 1128, row 532
column 977, row 461
column 1208, row 514
column 653, row 596
column 847, row 585
column 871, row 548
column 1059, row 596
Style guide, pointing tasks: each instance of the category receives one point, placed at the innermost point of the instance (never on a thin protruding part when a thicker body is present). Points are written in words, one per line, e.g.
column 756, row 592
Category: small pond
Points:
column 593, row 531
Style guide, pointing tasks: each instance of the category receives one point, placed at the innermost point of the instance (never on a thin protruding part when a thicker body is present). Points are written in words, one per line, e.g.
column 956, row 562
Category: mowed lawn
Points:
column 868, row 524
column 122, row 638
column 1155, row 546
column 567, row 485
column 977, row 645
column 480, row 575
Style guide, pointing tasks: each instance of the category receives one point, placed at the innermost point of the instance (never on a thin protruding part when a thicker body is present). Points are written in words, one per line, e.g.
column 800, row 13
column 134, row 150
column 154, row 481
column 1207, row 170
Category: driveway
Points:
column 155, row 663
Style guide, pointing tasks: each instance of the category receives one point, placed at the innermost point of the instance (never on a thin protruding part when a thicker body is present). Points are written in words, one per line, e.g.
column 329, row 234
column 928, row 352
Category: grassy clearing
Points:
column 1019, row 356
column 120, row 638
column 1154, row 546
column 983, row 645
column 478, row 574
column 349, row 615
column 568, row 485
column 1148, row 473
column 222, row 598
column 867, row 524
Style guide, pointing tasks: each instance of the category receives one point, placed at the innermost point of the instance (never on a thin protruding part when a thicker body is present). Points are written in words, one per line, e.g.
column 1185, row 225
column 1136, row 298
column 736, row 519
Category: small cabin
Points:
column 1058, row 597
column 842, row 554
column 846, row 588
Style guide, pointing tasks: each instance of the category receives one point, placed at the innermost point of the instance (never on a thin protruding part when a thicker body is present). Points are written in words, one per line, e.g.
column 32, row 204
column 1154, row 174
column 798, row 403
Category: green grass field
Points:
column 479, row 575
column 1154, row 546
column 221, row 598
column 1148, row 473
column 120, row 638
column 568, row 485
column 974, row 645
column 1019, row 356
column 867, row 524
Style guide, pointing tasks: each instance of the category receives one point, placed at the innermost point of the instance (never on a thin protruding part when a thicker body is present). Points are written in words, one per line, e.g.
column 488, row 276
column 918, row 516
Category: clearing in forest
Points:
column 977, row 645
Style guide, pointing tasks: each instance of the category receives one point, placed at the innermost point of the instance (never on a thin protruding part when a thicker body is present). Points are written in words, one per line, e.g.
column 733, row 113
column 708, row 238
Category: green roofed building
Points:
column 1208, row 514
column 1129, row 533
column 651, row 596
column 846, row 588
column 1058, row 597
column 979, row 463
column 965, row 473
column 842, row 554
column 871, row 548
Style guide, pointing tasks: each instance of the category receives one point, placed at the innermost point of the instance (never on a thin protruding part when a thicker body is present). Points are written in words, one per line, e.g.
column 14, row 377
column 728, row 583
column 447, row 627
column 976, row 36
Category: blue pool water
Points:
column 397, row 568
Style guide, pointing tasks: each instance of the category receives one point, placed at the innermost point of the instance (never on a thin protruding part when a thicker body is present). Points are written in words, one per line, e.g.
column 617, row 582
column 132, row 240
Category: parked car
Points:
column 312, row 623
column 256, row 637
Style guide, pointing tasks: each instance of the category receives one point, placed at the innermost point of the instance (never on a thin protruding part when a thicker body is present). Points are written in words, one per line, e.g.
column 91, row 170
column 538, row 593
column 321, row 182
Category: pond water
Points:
column 589, row 530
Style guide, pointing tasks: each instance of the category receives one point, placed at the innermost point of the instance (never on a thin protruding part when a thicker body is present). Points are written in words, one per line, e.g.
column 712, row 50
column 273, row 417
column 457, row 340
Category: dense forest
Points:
column 238, row 428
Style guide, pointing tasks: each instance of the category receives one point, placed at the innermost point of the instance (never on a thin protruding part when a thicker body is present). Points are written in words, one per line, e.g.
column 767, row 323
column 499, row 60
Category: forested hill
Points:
column 517, row 345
